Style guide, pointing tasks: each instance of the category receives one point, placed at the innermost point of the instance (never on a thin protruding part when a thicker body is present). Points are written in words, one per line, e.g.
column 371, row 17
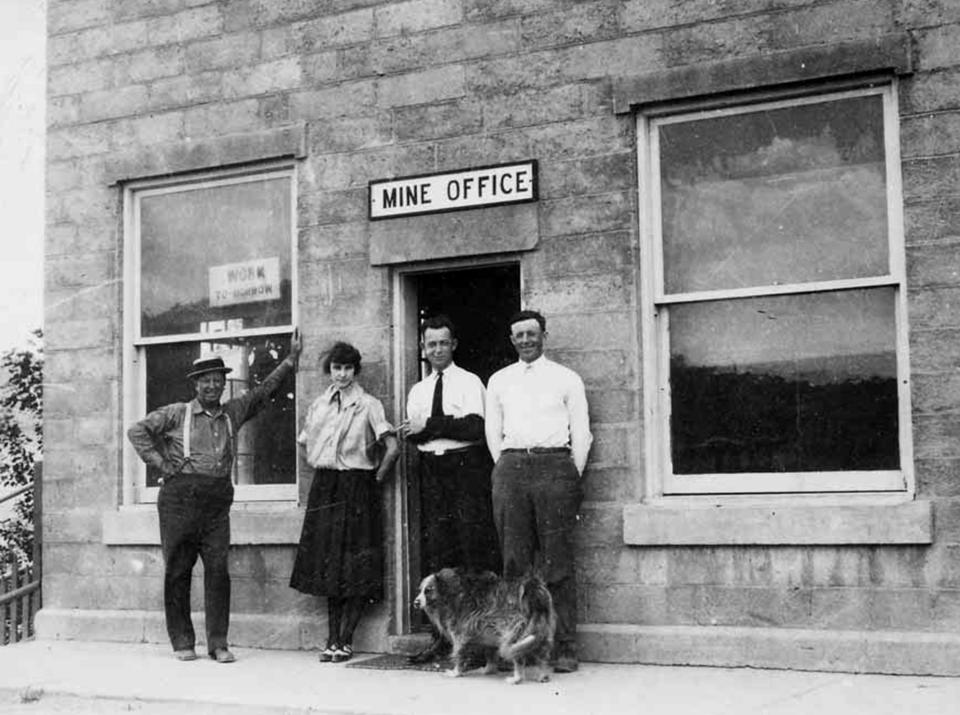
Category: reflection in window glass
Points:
column 266, row 452
column 216, row 253
column 794, row 383
column 778, row 196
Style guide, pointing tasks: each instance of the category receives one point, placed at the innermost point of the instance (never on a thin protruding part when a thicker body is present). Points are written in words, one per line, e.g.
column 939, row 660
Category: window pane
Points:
column 791, row 383
column 266, row 449
column 771, row 197
column 216, row 253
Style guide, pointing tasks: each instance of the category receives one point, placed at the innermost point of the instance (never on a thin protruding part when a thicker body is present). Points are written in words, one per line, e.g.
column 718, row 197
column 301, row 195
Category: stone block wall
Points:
column 920, row 587
column 377, row 89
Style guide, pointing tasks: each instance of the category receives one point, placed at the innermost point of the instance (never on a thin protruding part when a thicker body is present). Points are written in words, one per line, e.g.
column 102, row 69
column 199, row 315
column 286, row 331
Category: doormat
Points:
column 398, row 661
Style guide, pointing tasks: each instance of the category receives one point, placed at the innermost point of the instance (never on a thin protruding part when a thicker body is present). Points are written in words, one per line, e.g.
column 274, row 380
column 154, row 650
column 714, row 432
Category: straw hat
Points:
column 208, row 364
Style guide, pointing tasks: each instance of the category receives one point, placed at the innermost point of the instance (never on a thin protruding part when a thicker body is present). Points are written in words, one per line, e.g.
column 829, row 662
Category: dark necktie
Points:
column 336, row 399
column 436, row 409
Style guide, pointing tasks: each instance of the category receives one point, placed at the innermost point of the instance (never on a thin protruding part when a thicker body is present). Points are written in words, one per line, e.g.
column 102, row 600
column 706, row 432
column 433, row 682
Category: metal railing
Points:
column 20, row 594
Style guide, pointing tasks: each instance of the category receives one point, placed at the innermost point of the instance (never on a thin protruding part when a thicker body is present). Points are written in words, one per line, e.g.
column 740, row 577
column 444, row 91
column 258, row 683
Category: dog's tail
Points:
column 520, row 648
column 539, row 620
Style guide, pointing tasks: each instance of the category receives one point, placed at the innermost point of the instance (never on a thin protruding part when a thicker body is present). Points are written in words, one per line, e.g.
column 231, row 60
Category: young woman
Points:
column 340, row 553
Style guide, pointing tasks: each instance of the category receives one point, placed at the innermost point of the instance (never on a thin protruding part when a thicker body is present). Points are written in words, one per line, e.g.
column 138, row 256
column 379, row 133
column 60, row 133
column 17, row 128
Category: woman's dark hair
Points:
column 527, row 315
column 342, row 354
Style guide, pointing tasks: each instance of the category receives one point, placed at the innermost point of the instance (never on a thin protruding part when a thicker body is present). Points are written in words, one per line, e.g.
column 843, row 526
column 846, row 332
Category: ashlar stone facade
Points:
column 345, row 92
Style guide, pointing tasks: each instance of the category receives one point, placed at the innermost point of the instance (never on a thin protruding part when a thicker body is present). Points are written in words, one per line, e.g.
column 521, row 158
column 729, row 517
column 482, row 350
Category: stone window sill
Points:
column 687, row 524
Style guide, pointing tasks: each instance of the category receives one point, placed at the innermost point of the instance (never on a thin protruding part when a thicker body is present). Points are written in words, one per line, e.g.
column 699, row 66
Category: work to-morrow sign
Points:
column 454, row 190
column 245, row 282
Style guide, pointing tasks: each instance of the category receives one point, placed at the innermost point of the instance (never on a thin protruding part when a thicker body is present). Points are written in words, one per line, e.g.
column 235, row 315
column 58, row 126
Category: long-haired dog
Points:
column 512, row 618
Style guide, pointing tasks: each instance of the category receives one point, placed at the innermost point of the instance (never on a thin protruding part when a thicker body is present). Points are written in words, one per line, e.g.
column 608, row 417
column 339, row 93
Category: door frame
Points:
column 406, row 340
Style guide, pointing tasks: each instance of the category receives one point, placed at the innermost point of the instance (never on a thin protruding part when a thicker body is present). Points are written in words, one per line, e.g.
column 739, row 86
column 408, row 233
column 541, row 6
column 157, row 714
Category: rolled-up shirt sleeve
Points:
column 377, row 419
column 147, row 435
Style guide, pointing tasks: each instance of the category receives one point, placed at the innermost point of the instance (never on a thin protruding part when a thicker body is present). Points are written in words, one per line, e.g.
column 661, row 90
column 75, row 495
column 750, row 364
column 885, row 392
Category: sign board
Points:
column 245, row 282
column 454, row 190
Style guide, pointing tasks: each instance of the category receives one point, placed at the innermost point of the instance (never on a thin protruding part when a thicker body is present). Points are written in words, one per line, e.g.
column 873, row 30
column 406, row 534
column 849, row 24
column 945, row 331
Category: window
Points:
column 774, row 314
column 211, row 272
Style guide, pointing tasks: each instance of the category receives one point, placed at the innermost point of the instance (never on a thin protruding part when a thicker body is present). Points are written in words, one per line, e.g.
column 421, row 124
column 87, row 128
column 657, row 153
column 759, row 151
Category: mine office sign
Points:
column 453, row 190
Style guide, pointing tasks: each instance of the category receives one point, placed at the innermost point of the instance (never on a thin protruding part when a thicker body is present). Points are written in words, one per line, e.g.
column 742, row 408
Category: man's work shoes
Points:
column 565, row 659
column 566, row 664
column 185, row 654
column 222, row 655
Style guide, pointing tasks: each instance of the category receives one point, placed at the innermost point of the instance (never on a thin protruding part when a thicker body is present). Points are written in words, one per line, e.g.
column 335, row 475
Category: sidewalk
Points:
column 87, row 677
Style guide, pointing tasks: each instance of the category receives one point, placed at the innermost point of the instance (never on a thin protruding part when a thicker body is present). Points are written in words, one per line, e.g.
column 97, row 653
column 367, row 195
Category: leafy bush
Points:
column 21, row 441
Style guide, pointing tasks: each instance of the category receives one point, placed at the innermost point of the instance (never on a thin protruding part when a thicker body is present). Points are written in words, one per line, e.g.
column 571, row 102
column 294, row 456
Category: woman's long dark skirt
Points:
column 341, row 544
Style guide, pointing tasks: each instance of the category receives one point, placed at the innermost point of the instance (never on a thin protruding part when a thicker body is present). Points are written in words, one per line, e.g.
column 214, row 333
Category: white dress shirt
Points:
column 463, row 395
column 538, row 404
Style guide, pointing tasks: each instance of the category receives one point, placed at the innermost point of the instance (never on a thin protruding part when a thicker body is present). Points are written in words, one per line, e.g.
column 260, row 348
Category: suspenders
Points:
column 188, row 423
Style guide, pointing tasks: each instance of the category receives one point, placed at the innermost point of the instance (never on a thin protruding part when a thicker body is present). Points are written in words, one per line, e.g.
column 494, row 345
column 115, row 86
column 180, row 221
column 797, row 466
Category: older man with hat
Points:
column 193, row 446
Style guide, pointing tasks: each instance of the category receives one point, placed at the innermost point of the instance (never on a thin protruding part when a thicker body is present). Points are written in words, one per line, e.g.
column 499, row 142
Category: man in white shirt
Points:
column 538, row 433
column 445, row 422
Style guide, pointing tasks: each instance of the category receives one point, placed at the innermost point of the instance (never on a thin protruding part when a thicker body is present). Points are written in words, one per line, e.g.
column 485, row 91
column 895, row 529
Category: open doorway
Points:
column 479, row 300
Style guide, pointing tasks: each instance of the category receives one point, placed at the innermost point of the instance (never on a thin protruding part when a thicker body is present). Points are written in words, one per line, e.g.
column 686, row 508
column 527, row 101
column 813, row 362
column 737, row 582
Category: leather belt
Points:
column 456, row 450
column 537, row 450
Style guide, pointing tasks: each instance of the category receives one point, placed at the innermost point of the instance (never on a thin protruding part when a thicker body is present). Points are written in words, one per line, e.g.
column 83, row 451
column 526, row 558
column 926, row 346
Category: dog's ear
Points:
column 448, row 581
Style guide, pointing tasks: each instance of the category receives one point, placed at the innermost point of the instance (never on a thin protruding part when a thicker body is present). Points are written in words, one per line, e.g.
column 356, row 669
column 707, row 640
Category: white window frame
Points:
column 655, row 305
column 135, row 489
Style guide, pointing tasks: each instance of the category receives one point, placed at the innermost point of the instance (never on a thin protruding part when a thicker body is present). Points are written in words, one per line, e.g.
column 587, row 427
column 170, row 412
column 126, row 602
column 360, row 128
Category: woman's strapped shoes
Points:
column 343, row 653
column 336, row 653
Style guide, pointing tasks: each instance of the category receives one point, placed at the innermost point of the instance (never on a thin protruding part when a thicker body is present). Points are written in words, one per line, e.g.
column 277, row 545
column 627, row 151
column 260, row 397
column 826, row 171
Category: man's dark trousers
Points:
column 456, row 511
column 536, row 497
column 195, row 521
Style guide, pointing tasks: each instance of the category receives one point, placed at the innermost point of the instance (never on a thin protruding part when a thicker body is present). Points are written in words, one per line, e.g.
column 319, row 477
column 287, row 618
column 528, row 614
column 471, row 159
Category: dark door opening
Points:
column 480, row 302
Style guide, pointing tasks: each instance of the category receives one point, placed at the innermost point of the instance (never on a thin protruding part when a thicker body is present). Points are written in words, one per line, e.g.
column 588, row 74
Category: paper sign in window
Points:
column 245, row 282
